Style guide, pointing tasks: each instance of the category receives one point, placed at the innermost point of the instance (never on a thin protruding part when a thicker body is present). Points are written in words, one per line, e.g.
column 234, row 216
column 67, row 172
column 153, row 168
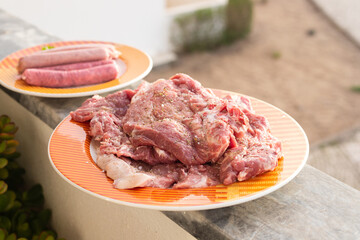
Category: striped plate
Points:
column 135, row 64
column 69, row 153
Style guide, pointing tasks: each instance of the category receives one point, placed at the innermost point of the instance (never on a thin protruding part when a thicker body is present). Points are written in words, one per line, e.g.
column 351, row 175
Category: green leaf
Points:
column 23, row 230
column 9, row 151
column 4, row 173
column 4, row 201
column 16, row 205
column 47, row 47
column 11, row 199
column 5, row 223
column 9, row 128
column 3, row 234
column 41, row 221
column 12, row 143
column 3, row 187
column 46, row 235
column 3, row 146
column 44, row 216
column 22, row 218
column 7, row 201
column 6, row 136
column 22, row 238
column 43, row 235
column 51, row 233
column 355, row 88
column 3, row 162
column 11, row 237
column 14, row 219
column 36, row 226
column 34, row 197
column 4, row 119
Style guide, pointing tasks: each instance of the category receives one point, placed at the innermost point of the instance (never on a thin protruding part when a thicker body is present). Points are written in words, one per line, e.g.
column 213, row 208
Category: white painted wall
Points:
column 345, row 14
column 140, row 23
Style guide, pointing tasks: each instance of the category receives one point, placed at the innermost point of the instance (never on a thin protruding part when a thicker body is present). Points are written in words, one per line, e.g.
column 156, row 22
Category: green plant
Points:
column 276, row 55
column 355, row 88
column 22, row 215
column 238, row 19
column 200, row 30
column 212, row 27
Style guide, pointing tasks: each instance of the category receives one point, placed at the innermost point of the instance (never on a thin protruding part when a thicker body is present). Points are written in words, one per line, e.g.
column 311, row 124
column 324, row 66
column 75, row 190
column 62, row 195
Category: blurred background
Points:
column 302, row 56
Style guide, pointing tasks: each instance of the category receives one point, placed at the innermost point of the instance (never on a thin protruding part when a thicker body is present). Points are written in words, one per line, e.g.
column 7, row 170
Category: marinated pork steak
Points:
column 181, row 116
column 176, row 134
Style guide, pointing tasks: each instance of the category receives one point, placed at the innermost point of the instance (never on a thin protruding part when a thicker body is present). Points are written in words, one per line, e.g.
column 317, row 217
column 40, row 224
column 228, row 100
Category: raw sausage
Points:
column 63, row 57
column 58, row 79
column 76, row 66
column 111, row 48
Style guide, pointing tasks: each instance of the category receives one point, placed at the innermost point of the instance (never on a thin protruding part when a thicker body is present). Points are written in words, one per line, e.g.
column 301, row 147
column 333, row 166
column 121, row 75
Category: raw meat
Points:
column 109, row 47
column 79, row 77
column 128, row 173
column 116, row 103
column 176, row 134
column 77, row 66
column 63, row 57
column 181, row 117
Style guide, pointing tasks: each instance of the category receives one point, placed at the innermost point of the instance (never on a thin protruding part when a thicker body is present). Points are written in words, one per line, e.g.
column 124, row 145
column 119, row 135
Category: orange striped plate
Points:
column 69, row 153
column 137, row 65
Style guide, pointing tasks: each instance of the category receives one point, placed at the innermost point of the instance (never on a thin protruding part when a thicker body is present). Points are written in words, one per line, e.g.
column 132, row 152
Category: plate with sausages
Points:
column 73, row 68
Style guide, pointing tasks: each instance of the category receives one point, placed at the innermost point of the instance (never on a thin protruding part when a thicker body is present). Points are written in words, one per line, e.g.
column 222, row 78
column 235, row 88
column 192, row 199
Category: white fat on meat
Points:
column 124, row 175
column 132, row 181
column 103, row 159
column 160, row 152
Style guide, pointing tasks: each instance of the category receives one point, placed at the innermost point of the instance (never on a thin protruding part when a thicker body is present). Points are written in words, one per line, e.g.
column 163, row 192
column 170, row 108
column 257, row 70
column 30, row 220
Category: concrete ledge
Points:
column 339, row 156
column 312, row 206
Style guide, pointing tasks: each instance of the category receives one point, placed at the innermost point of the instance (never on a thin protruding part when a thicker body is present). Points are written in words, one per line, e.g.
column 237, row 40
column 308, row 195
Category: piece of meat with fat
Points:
column 170, row 120
column 199, row 176
column 243, row 163
column 116, row 103
column 106, row 127
column 126, row 176
column 189, row 129
column 178, row 115
column 256, row 151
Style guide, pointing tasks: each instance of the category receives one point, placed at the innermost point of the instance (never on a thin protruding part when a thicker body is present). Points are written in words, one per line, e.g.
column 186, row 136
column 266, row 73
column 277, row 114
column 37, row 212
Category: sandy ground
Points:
column 311, row 78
